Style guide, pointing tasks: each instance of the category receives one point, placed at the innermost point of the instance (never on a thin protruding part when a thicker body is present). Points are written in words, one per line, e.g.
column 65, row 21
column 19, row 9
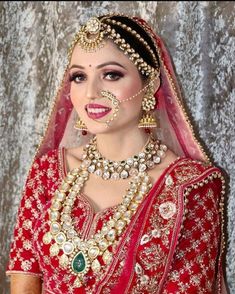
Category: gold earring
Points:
column 79, row 125
column 148, row 104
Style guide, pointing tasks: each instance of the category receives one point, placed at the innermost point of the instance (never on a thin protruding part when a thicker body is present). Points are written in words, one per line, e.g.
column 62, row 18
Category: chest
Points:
column 103, row 194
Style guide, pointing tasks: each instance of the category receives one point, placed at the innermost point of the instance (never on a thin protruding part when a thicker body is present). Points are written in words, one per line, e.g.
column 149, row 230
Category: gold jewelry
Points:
column 152, row 79
column 148, row 104
column 80, row 125
column 149, row 101
column 115, row 103
column 95, row 163
column 80, row 255
column 91, row 38
column 147, row 121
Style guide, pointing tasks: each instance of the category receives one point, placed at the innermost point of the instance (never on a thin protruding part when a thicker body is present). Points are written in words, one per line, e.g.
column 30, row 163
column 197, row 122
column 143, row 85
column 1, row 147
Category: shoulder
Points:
column 50, row 157
column 183, row 170
column 48, row 163
column 198, row 181
column 190, row 176
column 189, row 169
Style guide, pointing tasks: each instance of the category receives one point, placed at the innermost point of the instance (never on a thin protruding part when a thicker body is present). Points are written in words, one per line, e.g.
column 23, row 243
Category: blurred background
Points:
column 35, row 36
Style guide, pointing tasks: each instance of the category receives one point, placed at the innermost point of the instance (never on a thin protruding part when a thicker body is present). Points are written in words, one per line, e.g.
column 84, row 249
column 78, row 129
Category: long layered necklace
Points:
column 83, row 256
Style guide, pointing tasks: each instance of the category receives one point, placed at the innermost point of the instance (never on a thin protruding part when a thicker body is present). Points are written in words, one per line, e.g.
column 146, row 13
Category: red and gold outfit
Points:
column 170, row 246
column 173, row 243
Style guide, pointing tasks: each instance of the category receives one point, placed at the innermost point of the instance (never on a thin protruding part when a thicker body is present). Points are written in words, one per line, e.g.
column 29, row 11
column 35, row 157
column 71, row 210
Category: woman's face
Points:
column 110, row 70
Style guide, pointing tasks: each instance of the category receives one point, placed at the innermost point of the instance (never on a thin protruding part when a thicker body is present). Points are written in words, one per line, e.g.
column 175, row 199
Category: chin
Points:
column 101, row 128
column 97, row 128
column 117, row 125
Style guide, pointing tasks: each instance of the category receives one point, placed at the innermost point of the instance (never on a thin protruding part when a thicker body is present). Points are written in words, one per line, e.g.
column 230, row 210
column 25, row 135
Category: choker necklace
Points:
column 96, row 164
column 85, row 258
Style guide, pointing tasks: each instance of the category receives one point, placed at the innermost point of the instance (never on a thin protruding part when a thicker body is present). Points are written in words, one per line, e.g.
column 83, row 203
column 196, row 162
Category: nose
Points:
column 92, row 89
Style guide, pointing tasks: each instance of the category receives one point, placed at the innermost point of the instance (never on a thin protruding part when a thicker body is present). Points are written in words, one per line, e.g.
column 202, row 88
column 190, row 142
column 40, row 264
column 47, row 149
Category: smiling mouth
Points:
column 95, row 111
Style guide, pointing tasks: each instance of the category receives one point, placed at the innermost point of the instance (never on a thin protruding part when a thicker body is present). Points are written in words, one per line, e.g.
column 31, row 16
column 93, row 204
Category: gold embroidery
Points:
column 158, row 229
column 167, row 209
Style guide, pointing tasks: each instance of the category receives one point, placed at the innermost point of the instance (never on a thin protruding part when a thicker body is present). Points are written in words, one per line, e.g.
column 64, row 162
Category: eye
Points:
column 113, row 75
column 77, row 77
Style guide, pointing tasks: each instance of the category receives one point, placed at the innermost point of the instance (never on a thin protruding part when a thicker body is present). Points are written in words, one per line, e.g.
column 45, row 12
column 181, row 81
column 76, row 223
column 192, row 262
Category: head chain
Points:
column 91, row 38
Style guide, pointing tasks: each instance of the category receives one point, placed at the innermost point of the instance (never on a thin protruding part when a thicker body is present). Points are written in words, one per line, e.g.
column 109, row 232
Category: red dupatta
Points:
column 147, row 261
column 176, row 130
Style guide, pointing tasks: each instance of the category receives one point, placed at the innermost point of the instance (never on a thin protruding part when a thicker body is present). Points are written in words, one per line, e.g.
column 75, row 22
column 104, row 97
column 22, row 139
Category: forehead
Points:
column 109, row 52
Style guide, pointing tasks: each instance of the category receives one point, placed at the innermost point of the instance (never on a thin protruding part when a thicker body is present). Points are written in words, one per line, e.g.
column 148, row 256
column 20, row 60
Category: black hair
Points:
column 133, row 41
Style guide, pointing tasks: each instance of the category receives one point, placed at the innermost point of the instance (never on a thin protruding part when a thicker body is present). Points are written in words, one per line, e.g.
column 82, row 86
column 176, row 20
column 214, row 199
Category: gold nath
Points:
column 91, row 38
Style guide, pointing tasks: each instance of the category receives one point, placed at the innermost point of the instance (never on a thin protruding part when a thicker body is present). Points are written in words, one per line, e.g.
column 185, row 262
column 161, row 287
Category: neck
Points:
column 122, row 145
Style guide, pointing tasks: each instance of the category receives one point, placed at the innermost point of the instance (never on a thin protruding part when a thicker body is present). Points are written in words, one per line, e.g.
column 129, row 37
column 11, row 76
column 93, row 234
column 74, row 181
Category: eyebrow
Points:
column 99, row 66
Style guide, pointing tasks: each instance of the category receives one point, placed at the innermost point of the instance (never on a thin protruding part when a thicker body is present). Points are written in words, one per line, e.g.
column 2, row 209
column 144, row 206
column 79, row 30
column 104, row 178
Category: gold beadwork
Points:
column 147, row 121
column 151, row 154
column 93, row 26
column 148, row 104
column 172, row 84
column 136, row 57
column 115, row 103
column 80, row 125
column 205, row 181
column 149, row 101
column 155, row 76
column 92, row 35
column 81, row 255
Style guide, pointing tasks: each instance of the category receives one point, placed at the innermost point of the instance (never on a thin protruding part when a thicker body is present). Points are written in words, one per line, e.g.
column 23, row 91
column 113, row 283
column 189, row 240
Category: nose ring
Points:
column 115, row 102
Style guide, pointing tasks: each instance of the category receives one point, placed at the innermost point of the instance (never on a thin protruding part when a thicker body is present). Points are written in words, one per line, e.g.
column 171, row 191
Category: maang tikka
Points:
column 93, row 35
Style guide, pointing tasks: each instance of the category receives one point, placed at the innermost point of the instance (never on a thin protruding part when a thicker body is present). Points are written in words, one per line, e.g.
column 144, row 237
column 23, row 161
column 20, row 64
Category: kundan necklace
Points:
column 84, row 256
column 151, row 154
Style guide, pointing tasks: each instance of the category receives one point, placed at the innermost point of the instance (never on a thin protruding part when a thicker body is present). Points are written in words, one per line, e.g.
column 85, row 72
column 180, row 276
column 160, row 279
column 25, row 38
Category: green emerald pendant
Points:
column 79, row 263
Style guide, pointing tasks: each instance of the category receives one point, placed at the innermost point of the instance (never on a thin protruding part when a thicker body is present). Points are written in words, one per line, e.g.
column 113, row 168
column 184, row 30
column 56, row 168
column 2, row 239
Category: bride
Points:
column 127, row 201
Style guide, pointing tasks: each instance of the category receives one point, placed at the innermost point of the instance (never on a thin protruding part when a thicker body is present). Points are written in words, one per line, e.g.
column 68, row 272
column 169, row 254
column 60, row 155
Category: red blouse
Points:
column 172, row 244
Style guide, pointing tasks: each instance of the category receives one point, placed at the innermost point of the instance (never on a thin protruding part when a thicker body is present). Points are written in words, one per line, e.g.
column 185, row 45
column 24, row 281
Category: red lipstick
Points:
column 95, row 111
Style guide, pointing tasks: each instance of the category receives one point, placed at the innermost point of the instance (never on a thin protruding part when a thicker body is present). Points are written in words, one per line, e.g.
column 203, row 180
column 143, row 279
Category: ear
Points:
column 157, row 84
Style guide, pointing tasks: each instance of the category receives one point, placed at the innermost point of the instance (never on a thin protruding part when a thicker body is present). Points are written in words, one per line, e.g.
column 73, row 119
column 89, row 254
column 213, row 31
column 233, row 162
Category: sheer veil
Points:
column 175, row 128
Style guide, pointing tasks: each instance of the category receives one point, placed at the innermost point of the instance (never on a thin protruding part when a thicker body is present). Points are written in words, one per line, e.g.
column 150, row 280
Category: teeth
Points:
column 97, row 110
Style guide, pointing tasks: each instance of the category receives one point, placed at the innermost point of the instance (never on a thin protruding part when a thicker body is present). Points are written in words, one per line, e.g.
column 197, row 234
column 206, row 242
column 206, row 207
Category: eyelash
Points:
column 117, row 75
column 74, row 76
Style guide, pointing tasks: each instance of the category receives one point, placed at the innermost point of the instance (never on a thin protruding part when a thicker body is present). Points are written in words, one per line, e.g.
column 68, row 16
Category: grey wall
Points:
column 34, row 42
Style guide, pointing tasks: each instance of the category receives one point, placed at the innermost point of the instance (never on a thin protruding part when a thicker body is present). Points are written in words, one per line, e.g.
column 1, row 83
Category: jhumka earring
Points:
column 79, row 125
column 148, row 103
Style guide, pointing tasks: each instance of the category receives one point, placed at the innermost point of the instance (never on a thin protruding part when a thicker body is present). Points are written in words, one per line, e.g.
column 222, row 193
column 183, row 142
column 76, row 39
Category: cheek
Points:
column 130, row 90
column 132, row 109
column 72, row 93
column 75, row 96
column 133, row 100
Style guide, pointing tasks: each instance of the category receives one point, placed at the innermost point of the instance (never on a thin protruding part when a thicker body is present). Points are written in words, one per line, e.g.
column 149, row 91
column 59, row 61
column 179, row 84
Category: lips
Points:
column 95, row 111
